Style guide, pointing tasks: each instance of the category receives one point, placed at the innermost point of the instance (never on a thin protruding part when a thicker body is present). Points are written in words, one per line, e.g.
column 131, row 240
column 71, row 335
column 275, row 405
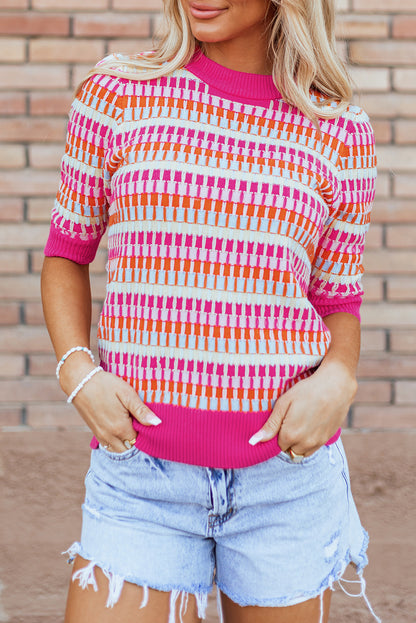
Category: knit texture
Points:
column 234, row 228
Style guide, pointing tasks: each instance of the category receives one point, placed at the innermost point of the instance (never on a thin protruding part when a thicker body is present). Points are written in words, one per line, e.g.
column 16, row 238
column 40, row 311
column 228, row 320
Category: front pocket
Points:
column 283, row 456
column 119, row 456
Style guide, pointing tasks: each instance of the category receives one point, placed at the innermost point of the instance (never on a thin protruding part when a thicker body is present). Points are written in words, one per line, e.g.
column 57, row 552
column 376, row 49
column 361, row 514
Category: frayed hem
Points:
column 86, row 577
column 328, row 584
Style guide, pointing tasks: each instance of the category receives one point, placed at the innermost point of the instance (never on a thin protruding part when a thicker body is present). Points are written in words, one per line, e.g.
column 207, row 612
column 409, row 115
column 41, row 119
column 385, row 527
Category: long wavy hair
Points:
column 302, row 47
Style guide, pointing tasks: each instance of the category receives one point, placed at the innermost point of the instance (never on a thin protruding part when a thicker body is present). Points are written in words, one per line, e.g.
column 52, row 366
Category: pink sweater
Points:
column 233, row 230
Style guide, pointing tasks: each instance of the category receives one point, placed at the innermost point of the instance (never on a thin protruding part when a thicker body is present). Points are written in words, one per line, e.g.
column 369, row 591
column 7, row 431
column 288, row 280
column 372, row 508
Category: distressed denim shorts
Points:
column 273, row 534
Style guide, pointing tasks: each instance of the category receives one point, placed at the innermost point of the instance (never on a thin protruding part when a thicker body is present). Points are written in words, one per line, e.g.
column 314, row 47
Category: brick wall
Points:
column 46, row 46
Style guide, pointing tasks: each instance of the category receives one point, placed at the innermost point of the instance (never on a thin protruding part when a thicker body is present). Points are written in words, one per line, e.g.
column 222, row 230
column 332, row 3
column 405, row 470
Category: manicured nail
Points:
column 257, row 437
column 153, row 419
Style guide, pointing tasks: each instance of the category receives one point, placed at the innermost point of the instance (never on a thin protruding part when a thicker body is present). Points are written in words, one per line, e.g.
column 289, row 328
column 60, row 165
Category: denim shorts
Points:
column 272, row 534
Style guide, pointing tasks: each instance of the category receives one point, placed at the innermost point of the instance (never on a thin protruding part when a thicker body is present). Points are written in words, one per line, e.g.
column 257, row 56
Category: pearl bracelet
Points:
column 83, row 382
column 69, row 352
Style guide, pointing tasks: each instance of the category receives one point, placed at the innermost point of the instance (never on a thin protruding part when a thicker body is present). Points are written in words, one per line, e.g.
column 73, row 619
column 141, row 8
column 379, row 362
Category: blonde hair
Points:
column 302, row 47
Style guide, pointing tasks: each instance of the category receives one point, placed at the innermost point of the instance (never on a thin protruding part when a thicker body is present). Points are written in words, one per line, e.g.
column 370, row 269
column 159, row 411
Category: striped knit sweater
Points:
column 234, row 228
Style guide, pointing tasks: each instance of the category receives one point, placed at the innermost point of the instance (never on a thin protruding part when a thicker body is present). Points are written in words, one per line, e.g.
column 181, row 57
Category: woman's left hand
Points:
column 306, row 416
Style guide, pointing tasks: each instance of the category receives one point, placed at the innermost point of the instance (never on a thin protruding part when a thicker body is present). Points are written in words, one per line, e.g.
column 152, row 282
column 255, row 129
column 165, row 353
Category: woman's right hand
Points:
column 107, row 405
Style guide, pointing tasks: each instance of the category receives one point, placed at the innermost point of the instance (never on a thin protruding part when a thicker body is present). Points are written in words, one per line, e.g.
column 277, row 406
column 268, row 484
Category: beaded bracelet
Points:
column 83, row 382
column 69, row 352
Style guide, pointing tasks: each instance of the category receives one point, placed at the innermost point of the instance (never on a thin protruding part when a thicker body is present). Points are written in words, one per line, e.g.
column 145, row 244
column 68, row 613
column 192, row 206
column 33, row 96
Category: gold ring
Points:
column 296, row 458
column 130, row 444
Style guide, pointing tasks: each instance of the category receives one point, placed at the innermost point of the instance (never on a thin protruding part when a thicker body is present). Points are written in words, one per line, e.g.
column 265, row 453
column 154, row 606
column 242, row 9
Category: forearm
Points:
column 345, row 342
column 66, row 299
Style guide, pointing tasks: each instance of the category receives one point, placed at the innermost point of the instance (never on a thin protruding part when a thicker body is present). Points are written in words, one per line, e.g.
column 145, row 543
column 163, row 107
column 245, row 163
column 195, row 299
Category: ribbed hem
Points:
column 62, row 245
column 207, row 438
column 348, row 305
column 234, row 85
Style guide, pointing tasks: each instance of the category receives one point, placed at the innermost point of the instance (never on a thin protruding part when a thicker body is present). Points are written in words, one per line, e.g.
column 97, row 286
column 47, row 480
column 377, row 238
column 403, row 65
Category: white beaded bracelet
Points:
column 69, row 352
column 83, row 382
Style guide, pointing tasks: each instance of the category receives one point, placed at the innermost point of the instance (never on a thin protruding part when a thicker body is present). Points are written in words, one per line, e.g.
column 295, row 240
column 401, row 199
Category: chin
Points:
column 207, row 34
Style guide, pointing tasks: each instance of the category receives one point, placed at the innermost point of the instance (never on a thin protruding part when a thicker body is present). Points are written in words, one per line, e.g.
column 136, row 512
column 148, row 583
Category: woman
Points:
column 236, row 181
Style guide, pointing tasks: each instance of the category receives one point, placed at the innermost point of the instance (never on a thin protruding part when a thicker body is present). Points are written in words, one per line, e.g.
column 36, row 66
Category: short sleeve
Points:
column 335, row 284
column 80, row 212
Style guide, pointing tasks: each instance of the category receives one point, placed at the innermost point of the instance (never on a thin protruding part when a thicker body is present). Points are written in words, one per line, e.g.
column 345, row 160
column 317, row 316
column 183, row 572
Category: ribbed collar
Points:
column 234, row 85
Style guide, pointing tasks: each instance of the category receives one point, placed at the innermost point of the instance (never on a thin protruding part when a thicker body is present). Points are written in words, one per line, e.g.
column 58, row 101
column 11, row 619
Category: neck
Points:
column 244, row 54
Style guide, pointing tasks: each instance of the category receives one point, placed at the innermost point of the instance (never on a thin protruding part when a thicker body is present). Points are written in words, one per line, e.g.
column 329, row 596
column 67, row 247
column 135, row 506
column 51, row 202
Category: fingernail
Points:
column 153, row 419
column 257, row 437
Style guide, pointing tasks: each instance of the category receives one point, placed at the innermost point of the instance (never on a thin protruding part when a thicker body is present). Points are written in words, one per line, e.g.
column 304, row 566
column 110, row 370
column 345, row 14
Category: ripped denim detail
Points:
column 86, row 577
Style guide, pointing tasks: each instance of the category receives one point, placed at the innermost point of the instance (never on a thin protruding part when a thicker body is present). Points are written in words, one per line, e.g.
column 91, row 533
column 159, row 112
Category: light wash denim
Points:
column 273, row 534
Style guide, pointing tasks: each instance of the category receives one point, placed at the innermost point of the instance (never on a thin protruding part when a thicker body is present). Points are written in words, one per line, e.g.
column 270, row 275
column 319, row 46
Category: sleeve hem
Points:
column 62, row 245
column 348, row 306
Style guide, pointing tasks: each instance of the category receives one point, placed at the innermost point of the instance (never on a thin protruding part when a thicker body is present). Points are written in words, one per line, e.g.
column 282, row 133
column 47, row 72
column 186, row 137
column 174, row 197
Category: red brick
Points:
column 384, row 417
column 34, row 313
column 14, row 4
column 373, row 392
column 388, row 314
column 391, row 262
column 378, row 52
column 405, row 132
column 13, row 262
column 36, row 261
column 79, row 72
column 73, row 5
column 51, row 104
column 387, row 366
column 19, row 287
column 362, row 27
column 130, row 46
column 372, row 341
column 383, row 186
column 404, row 79
column 371, row 78
column 373, row 288
column 401, row 289
column 10, row 415
column 404, row 185
column 11, row 210
column 12, row 157
column 23, row 339
column 133, row 5
column 405, row 393
column 36, row 77
column 394, row 211
column 12, row 103
column 384, row 6
column 9, row 313
column 389, row 105
column 374, row 237
column 53, row 415
column 401, row 236
column 39, row 210
column 45, row 156
column 27, row 182
column 48, row 50
column 12, row 50
column 30, row 23
column 111, row 25
column 396, row 158
column 42, row 365
column 404, row 27
column 383, row 131
column 403, row 341
column 24, row 389
column 11, row 365
column 23, row 236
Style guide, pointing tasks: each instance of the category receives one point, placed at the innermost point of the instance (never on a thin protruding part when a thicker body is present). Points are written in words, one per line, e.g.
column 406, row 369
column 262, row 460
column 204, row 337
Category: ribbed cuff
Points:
column 62, row 245
column 349, row 305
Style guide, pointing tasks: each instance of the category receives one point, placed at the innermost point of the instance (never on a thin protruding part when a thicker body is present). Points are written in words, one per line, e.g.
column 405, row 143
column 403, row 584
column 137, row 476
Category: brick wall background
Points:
column 47, row 46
